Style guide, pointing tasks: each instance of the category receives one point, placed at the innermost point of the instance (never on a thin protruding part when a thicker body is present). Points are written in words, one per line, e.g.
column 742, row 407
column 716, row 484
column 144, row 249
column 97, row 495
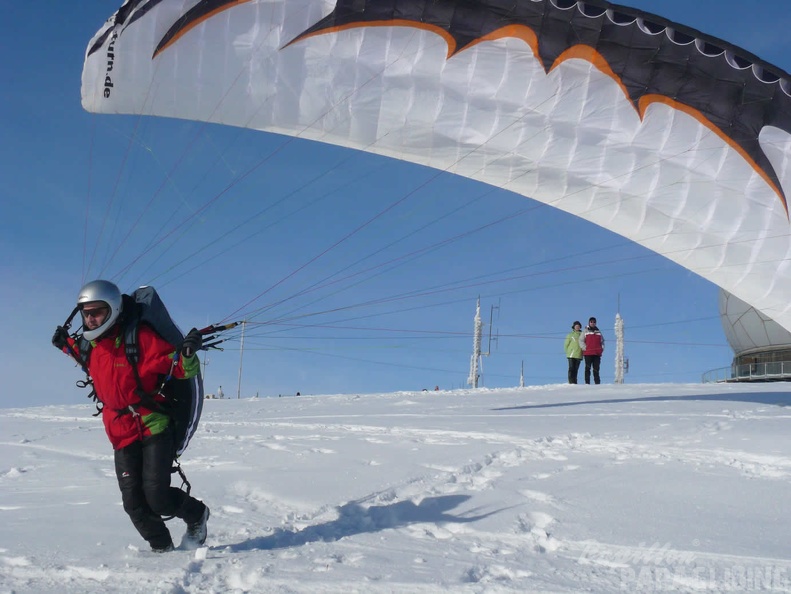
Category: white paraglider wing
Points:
column 677, row 141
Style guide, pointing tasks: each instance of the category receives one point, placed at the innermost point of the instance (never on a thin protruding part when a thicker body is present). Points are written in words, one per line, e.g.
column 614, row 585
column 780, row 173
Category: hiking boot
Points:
column 163, row 549
column 196, row 531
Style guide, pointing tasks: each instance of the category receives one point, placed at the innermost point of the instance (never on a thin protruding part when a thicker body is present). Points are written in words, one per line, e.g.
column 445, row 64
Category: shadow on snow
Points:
column 773, row 398
column 353, row 518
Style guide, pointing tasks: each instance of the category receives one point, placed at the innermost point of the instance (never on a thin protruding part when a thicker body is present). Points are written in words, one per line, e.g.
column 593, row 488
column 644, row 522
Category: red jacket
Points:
column 116, row 385
column 592, row 341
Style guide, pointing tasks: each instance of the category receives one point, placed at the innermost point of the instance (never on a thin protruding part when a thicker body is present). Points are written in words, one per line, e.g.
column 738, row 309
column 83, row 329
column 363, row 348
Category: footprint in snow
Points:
column 536, row 525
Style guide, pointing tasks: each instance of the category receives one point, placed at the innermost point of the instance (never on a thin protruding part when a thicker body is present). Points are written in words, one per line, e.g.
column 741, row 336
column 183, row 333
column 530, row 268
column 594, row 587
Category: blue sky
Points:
column 397, row 307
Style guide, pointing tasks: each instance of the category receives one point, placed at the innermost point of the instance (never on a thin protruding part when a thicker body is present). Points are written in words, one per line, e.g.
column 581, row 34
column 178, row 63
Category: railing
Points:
column 750, row 372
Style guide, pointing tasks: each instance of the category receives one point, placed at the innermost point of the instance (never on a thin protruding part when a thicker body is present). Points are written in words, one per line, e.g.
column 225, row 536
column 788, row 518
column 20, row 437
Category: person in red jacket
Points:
column 592, row 344
column 141, row 436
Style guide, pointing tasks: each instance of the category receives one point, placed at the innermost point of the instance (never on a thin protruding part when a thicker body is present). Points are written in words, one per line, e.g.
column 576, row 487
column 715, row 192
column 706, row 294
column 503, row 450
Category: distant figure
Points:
column 573, row 351
column 436, row 388
column 298, row 393
column 220, row 393
column 592, row 344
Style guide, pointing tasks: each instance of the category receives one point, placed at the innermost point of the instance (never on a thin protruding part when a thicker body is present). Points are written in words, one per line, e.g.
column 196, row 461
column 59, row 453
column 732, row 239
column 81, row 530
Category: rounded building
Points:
column 761, row 347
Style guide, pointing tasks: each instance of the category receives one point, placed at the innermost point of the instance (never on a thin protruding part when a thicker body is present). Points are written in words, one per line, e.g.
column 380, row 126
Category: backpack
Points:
column 183, row 398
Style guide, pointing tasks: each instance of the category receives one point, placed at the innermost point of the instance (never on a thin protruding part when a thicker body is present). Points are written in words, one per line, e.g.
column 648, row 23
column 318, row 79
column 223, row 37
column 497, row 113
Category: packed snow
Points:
column 543, row 489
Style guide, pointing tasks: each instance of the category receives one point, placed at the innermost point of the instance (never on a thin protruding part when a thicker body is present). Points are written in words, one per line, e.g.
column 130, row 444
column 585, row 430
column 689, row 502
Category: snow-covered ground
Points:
column 559, row 488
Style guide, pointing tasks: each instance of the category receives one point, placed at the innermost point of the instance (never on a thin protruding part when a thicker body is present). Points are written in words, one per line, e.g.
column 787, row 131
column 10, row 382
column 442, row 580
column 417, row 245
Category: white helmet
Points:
column 101, row 290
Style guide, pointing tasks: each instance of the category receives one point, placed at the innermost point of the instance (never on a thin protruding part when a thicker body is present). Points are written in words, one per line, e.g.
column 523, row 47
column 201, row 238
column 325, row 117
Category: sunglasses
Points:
column 93, row 313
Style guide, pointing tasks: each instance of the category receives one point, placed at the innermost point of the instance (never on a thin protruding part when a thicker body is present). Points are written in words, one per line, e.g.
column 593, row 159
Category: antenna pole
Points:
column 205, row 363
column 241, row 356
column 491, row 325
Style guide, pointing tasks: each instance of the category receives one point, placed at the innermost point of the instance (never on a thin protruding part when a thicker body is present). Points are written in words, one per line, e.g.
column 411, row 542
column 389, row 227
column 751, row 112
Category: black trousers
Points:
column 574, row 367
column 592, row 361
column 143, row 471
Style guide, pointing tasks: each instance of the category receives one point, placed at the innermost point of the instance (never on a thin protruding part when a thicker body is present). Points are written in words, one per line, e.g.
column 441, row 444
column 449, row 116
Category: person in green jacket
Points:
column 573, row 351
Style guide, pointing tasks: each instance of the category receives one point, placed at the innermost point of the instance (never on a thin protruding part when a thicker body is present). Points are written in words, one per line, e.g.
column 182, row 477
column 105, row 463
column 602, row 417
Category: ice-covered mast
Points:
column 476, row 362
column 476, row 347
column 619, row 365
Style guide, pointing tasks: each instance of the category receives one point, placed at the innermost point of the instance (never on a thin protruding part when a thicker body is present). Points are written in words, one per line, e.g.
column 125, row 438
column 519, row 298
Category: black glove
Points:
column 59, row 339
column 192, row 343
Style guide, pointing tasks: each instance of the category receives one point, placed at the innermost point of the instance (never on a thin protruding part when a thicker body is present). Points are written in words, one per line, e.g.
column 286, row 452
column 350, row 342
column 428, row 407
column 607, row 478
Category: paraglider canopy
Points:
column 671, row 138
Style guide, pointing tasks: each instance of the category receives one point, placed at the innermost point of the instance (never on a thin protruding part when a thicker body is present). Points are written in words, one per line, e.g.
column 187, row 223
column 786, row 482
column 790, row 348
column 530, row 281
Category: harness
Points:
column 147, row 399
column 130, row 332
